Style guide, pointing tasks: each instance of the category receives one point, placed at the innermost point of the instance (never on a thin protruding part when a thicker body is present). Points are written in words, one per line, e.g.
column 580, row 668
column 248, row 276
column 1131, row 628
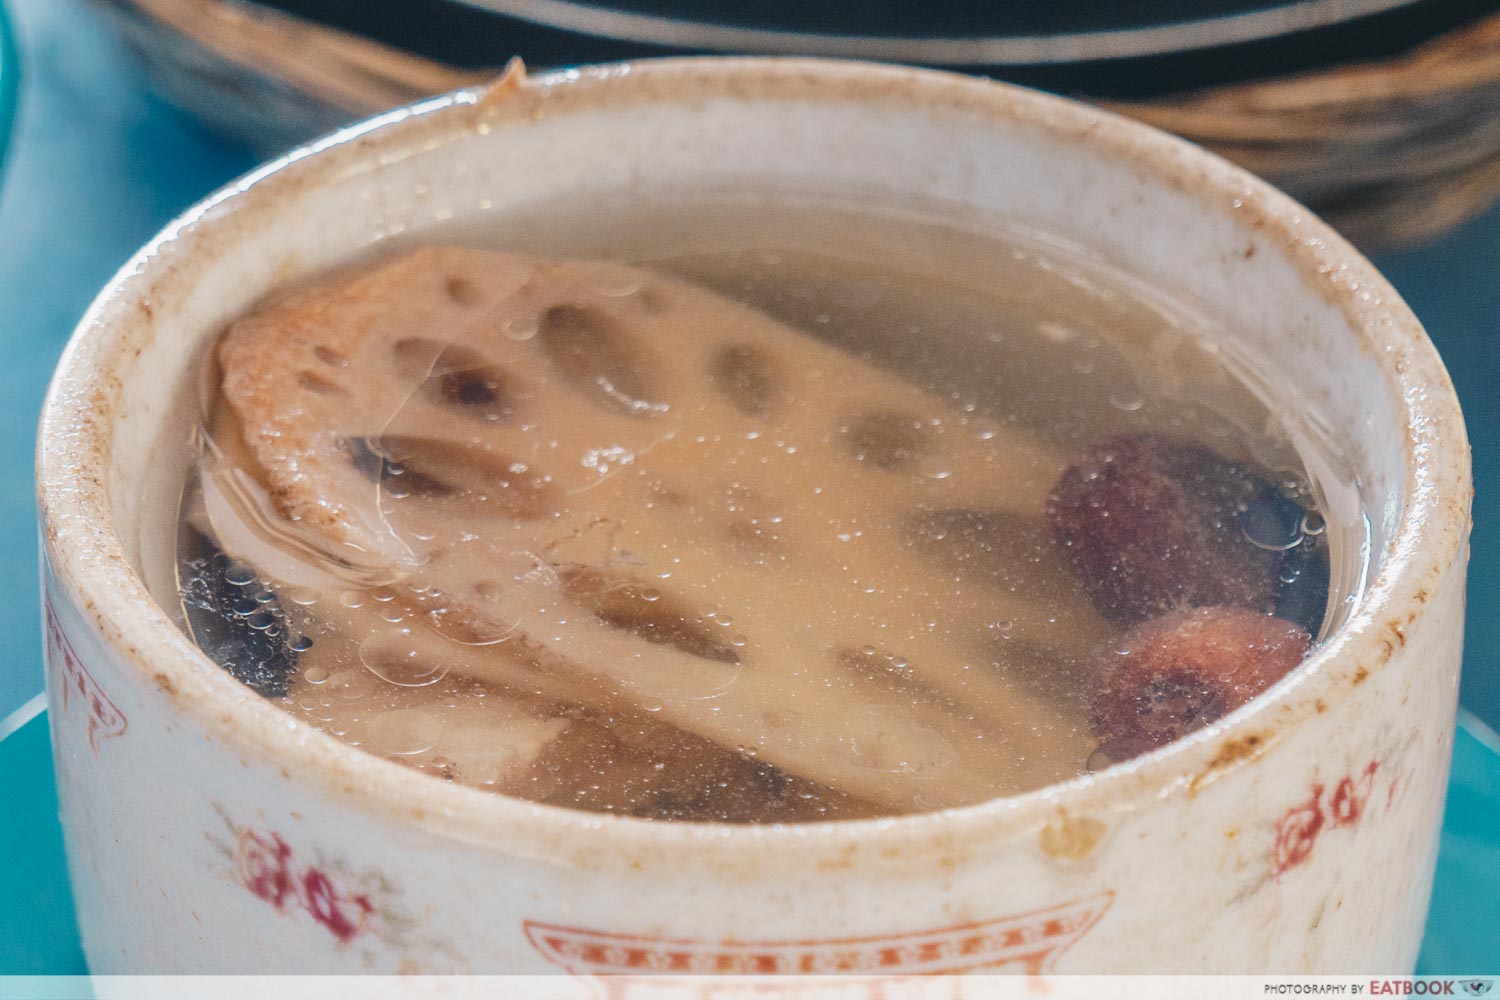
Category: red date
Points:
column 1182, row 671
column 1150, row 524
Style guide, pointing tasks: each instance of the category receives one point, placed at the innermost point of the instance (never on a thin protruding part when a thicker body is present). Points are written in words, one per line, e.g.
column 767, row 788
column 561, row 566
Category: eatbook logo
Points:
column 1026, row 942
column 1476, row 987
column 76, row 684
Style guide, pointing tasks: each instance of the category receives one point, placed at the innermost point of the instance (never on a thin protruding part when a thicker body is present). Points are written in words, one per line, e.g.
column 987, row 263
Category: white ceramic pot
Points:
column 209, row 831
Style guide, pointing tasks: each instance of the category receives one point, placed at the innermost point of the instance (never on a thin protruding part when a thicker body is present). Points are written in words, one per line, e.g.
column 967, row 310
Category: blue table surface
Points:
column 97, row 165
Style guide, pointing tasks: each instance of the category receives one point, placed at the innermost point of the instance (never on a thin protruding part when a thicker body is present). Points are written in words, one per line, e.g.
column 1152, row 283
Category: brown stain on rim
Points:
column 1071, row 838
column 1232, row 753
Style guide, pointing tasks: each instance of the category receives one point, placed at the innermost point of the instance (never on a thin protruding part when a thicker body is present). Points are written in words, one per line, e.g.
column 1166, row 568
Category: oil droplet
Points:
column 916, row 750
column 303, row 596
column 985, row 430
column 348, row 686
column 393, row 657
column 934, row 468
column 315, row 675
column 404, row 731
column 1127, row 399
column 521, row 327
column 352, row 599
column 615, row 282
column 239, row 575
column 1098, row 761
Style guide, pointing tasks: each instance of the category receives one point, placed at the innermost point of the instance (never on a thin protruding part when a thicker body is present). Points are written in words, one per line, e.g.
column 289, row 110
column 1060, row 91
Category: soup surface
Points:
column 723, row 510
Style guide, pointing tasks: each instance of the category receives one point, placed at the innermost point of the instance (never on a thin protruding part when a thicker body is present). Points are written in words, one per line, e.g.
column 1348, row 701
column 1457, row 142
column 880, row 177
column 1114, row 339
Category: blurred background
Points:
column 1383, row 115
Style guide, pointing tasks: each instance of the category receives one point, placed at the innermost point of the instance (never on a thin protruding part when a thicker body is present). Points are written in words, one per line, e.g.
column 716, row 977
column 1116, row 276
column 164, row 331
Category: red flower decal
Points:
column 328, row 908
column 1297, row 832
column 269, row 869
column 1300, row 826
column 262, row 864
column 1350, row 797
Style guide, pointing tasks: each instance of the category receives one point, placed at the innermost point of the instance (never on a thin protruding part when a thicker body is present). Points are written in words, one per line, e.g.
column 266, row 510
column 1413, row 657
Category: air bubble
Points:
column 315, row 675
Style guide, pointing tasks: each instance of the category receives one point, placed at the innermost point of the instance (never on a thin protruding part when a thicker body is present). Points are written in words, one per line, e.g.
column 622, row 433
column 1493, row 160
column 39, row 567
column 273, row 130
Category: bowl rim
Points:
column 89, row 560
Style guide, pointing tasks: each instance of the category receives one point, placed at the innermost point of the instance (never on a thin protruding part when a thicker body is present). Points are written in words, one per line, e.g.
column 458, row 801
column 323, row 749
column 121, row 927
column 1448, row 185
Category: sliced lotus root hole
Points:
column 747, row 378
column 888, row 440
column 592, row 351
column 628, row 604
column 482, row 480
column 463, row 291
column 457, row 377
column 320, row 384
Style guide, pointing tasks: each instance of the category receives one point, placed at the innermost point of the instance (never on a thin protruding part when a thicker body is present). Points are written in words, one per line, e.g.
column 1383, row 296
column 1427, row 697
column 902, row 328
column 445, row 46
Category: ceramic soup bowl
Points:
column 207, row 830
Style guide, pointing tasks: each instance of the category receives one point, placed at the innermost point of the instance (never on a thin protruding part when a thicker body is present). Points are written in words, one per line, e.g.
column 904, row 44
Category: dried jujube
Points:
column 1183, row 670
column 1150, row 524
